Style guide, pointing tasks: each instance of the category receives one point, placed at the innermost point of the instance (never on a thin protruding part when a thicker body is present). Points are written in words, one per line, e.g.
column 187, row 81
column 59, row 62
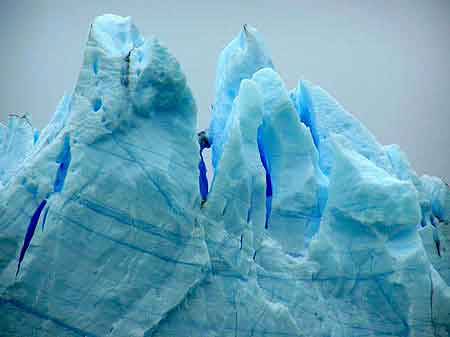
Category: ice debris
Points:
column 309, row 227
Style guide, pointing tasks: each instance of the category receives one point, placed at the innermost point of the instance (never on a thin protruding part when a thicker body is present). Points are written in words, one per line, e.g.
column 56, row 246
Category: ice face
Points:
column 310, row 227
column 325, row 116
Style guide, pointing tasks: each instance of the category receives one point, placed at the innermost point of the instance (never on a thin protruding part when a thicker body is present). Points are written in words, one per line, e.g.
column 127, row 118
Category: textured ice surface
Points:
column 310, row 227
column 16, row 141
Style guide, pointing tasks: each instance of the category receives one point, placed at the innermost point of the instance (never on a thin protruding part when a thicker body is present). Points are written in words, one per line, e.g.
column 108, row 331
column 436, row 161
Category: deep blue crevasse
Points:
column 268, row 178
column 64, row 162
column 30, row 232
column 202, row 177
column 45, row 218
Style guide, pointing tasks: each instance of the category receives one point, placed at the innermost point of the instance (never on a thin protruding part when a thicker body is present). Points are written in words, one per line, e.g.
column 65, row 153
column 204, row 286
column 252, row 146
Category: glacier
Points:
column 309, row 227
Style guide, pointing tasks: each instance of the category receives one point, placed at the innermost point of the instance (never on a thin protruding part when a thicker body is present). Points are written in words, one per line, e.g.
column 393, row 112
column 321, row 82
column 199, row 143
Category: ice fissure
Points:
column 309, row 226
column 268, row 179
column 64, row 161
column 30, row 232
column 203, row 178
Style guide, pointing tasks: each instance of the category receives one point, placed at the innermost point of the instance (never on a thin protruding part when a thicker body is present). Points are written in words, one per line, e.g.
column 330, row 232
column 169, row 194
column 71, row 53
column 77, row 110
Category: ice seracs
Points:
column 239, row 60
column 309, row 226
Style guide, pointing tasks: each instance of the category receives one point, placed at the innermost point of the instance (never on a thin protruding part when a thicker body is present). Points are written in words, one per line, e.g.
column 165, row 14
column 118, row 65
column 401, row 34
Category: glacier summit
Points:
column 309, row 227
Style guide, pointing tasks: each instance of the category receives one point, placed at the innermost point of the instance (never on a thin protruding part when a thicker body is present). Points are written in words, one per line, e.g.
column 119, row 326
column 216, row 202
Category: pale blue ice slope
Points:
column 310, row 227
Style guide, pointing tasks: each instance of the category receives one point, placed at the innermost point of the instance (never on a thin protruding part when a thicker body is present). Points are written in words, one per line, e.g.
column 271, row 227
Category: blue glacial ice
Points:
column 309, row 226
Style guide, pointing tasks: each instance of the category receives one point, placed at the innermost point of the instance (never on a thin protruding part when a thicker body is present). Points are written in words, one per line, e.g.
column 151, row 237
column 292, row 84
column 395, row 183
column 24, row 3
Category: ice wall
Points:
column 310, row 227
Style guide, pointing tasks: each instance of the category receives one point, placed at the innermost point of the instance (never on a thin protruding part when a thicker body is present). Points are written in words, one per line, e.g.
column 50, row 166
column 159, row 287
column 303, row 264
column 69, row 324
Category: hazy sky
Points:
column 387, row 62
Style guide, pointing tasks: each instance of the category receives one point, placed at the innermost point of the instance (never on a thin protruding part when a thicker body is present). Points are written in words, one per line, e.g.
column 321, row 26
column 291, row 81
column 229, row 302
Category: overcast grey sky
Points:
column 387, row 62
